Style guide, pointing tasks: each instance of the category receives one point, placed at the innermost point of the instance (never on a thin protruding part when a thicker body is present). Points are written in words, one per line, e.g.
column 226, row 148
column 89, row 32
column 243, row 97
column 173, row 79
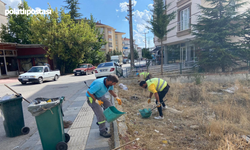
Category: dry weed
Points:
column 218, row 116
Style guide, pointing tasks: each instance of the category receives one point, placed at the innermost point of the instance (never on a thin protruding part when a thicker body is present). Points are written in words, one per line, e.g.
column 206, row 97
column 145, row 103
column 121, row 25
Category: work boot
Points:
column 105, row 134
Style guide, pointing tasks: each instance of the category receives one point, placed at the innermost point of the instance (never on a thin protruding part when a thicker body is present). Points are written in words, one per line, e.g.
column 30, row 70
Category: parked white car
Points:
column 38, row 74
column 105, row 69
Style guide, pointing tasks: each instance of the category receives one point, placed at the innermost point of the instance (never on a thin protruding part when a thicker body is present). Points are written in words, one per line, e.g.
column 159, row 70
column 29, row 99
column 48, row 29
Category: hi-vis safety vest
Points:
column 145, row 74
column 159, row 84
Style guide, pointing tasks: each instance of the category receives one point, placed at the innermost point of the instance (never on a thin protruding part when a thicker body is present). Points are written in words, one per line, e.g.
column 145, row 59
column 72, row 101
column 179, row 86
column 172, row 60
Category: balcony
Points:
column 103, row 47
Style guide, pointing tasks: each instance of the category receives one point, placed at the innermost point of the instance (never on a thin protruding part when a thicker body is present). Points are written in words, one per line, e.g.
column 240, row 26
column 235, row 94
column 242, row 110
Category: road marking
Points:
column 80, row 128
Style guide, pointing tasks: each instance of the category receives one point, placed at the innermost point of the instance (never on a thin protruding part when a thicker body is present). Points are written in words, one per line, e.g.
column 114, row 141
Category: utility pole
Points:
column 145, row 40
column 131, row 34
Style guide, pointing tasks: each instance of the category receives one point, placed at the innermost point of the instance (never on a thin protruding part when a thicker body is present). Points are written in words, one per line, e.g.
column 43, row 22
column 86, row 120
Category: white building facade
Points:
column 180, row 38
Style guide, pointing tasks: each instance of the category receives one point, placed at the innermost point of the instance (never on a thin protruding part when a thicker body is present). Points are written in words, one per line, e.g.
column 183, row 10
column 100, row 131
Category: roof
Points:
column 22, row 45
column 100, row 24
column 126, row 39
column 120, row 32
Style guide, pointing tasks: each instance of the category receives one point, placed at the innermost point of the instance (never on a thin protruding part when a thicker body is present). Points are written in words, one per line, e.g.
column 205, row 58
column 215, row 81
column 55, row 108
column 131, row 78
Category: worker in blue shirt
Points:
column 96, row 97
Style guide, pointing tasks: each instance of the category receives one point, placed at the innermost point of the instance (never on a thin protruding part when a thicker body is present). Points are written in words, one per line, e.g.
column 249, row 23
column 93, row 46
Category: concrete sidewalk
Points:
column 84, row 133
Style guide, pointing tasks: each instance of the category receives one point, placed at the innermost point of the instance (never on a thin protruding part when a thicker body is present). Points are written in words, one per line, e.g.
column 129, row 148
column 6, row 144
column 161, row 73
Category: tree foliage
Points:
column 72, row 6
column 67, row 41
column 17, row 28
column 136, row 56
column 244, row 53
column 95, row 55
column 146, row 53
column 159, row 22
column 215, row 28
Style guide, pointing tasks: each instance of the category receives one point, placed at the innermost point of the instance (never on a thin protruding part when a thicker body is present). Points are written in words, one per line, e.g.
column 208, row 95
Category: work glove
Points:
column 119, row 100
column 99, row 102
column 158, row 104
column 149, row 100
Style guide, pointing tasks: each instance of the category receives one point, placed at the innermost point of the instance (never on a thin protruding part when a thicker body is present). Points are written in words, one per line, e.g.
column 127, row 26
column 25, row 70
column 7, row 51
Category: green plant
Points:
column 197, row 78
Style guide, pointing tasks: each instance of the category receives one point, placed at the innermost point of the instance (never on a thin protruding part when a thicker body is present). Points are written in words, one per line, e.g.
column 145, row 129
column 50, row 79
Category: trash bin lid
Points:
column 8, row 99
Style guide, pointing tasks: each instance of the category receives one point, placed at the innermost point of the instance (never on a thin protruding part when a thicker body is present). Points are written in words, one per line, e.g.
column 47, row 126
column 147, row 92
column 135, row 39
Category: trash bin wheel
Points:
column 25, row 130
column 67, row 137
column 61, row 146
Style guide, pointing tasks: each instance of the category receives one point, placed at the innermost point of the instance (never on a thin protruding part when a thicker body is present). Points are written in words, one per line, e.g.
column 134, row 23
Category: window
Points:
column 115, row 36
column 46, row 69
column 11, row 63
column 184, row 16
column 105, row 65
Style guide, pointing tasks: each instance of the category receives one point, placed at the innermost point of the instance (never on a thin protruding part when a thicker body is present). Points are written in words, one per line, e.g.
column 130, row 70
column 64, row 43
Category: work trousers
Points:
column 161, row 96
column 99, row 111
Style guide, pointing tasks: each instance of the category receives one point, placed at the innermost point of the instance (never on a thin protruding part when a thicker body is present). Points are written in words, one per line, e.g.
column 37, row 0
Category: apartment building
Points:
column 112, row 37
column 3, row 18
column 187, row 12
column 126, row 46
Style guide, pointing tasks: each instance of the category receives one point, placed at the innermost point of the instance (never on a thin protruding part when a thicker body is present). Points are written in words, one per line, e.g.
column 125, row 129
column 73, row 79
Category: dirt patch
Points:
column 211, row 118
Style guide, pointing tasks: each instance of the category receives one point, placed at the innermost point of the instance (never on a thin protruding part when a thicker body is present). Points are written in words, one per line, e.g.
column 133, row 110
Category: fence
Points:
column 177, row 68
column 180, row 68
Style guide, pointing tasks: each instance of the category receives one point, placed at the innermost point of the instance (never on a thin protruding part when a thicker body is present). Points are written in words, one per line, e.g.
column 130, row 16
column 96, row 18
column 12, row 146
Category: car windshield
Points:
column 36, row 69
column 105, row 65
column 83, row 66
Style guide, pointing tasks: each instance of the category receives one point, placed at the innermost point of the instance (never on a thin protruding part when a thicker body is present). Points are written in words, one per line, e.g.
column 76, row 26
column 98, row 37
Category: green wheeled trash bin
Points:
column 50, row 127
column 12, row 113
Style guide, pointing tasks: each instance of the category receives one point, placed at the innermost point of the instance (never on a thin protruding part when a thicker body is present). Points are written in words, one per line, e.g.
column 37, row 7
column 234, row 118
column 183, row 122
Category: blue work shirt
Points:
column 98, row 88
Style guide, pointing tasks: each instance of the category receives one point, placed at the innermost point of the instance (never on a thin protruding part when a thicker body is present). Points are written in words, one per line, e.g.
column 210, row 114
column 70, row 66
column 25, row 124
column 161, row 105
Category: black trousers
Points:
column 161, row 96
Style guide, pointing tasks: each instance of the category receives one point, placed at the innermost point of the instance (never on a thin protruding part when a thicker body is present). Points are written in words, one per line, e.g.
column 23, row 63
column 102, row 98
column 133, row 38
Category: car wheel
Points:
column 92, row 72
column 40, row 80
column 24, row 82
column 75, row 74
column 56, row 78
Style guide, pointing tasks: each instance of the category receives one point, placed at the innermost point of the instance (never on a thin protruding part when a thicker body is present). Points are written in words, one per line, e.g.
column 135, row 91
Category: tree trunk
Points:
column 161, row 58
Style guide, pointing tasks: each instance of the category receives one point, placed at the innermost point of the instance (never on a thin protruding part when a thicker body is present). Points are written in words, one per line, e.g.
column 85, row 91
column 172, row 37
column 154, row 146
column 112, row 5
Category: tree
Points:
column 136, row 56
column 17, row 28
column 146, row 53
column 95, row 56
column 216, row 25
column 244, row 53
column 116, row 52
column 72, row 5
column 159, row 22
column 66, row 40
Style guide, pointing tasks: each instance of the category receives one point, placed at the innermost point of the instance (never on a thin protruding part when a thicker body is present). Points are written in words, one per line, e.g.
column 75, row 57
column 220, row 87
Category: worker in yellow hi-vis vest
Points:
column 144, row 76
column 159, row 88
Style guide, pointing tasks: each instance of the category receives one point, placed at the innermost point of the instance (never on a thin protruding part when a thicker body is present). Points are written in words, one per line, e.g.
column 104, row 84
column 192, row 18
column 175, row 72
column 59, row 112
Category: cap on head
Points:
column 137, row 74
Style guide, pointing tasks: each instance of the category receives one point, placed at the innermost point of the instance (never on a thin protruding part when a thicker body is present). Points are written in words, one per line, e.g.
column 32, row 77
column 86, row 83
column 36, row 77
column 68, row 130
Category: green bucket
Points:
column 145, row 113
column 111, row 114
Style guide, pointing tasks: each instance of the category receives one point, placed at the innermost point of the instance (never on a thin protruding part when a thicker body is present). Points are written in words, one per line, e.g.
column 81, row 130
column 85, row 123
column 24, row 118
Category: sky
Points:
column 109, row 12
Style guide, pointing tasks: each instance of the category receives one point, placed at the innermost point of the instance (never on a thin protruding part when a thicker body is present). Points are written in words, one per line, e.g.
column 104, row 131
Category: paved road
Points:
column 67, row 86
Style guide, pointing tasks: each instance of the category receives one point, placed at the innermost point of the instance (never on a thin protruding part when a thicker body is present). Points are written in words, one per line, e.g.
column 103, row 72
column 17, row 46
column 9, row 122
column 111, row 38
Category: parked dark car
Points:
column 84, row 69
